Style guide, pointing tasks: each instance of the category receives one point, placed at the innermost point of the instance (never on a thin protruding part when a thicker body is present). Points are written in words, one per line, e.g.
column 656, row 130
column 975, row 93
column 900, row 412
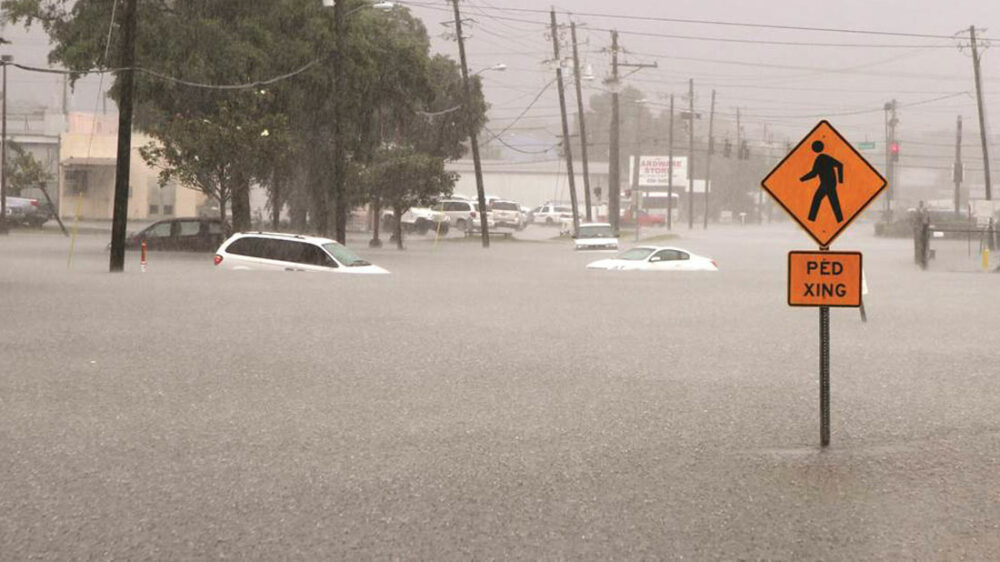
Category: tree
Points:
column 401, row 178
column 23, row 170
column 209, row 137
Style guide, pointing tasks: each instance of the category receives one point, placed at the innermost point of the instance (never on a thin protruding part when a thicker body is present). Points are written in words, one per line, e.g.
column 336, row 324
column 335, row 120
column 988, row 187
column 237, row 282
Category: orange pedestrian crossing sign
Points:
column 824, row 183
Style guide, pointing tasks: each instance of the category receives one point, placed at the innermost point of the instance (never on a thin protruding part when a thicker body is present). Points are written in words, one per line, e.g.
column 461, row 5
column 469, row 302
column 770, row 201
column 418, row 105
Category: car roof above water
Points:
column 286, row 236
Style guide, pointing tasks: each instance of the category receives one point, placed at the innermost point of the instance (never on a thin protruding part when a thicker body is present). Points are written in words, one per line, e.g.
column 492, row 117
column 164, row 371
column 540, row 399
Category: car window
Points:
column 635, row 254
column 562, row 209
column 246, row 247
column 282, row 250
column 189, row 228
column 159, row 230
column 344, row 255
column 669, row 255
column 504, row 206
column 596, row 232
column 313, row 255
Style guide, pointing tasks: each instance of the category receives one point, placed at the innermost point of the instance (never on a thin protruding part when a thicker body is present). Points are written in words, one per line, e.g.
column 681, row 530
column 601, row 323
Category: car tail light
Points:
column 218, row 259
column 715, row 264
column 34, row 202
column 472, row 214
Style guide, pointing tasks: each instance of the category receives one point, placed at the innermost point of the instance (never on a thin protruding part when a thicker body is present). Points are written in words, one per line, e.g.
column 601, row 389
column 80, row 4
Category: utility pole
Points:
column 473, row 141
column 567, row 148
column 890, row 155
column 583, row 125
column 339, row 150
column 957, row 174
column 4, row 229
column 670, row 169
column 636, row 197
column 982, row 116
column 708, row 159
column 614, row 171
column 690, row 153
column 127, row 76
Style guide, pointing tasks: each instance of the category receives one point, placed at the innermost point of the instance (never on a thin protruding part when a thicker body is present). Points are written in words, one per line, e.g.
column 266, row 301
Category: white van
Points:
column 290, row 252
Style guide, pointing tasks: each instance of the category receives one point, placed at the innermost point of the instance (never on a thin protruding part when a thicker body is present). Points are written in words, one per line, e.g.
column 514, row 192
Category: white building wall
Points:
column 530, row 184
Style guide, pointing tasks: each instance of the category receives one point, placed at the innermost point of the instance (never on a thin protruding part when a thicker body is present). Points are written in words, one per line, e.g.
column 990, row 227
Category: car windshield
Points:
column 602, row 231
column 635, row 254
column 344, row 255
column 504, row 206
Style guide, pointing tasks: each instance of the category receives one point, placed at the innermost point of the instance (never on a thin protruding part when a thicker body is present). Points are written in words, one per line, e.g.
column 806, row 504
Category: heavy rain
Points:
column 484, row 279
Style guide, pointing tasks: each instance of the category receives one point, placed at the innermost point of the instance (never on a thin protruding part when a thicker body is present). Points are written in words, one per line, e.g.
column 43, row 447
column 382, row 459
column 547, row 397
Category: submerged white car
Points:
column 266, row 251
column 596, row 236
column 655, row 258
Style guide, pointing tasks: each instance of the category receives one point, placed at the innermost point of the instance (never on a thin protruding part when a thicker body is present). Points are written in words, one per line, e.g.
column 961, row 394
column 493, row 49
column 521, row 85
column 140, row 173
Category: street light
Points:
column 376, row 5
column 498, row 67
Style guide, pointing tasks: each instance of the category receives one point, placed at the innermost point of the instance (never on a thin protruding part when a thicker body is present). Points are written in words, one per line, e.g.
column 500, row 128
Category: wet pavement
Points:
column 493, row 404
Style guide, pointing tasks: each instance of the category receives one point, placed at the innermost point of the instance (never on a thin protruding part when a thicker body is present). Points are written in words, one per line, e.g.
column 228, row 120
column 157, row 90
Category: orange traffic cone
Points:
column 142, row 258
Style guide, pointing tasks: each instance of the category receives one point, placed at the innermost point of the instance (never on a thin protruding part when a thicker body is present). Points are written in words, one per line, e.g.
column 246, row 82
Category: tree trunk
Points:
column 222, row 215
column 377, row 224
column 399, row 227
column 241, row 205
column 276, row 204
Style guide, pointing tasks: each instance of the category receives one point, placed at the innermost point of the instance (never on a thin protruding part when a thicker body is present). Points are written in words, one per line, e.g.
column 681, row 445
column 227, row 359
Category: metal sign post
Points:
column 824, row 184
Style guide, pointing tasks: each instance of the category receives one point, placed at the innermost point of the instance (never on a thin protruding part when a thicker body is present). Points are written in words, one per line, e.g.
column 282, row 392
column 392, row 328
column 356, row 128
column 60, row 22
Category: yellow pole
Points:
column 76, row 220
column 986, row 258
column 437, row 233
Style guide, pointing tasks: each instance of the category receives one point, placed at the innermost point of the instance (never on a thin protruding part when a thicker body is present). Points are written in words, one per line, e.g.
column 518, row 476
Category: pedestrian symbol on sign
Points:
column 831, row 173
column 821, row 171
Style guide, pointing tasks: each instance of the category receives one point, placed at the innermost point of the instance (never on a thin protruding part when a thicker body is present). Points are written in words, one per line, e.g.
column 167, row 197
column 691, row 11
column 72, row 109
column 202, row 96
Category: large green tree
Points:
column 211, row 137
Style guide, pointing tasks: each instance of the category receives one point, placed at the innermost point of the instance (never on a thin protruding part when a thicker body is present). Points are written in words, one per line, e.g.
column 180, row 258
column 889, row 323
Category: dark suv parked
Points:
column 186, row 234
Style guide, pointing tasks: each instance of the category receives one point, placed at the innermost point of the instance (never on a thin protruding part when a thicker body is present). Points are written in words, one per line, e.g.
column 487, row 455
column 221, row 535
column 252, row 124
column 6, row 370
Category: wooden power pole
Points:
column 473, row 141
column 708, row 158
column 122, row 165
column 982, row 116
column 690, row 163
column 614, row 164
column 567, row 148
column 670, row 169
column 582, row 123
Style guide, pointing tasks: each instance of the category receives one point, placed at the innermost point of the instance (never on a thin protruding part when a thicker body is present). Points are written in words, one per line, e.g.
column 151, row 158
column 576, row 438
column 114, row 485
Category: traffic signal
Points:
column 894, row 150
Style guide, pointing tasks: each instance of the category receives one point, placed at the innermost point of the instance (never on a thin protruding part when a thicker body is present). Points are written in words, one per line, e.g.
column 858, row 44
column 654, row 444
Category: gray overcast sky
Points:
column 788, row 87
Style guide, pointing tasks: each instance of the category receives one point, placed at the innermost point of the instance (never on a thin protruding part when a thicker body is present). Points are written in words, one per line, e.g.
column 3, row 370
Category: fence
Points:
column 956, row 249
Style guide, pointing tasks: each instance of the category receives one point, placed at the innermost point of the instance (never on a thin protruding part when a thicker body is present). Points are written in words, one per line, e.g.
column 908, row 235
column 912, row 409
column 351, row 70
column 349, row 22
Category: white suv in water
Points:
column 506, row 213
column 290, row 252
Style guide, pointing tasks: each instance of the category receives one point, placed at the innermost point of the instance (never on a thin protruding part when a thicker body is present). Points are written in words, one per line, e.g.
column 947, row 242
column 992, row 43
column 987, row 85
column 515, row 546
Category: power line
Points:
column 161, row 76
column 526, row 109
column 719, row 23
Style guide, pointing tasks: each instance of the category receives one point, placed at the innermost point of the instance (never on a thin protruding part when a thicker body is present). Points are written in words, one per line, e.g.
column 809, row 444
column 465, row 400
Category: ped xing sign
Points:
column 824, row 184
column 824, row 279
